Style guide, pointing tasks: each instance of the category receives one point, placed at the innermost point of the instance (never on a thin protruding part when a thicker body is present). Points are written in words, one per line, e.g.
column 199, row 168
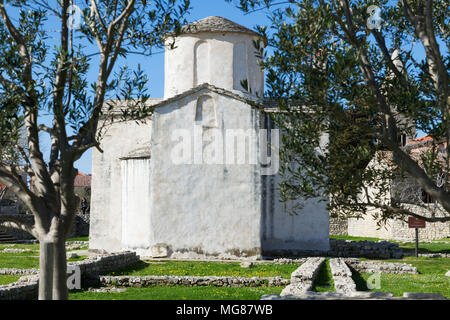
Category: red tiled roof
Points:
column 422, row 139
column 82, row 180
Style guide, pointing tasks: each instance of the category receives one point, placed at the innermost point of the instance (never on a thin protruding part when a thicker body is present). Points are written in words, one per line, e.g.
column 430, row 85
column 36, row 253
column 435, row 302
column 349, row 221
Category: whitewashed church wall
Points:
column 282, row 231
column 308, row 230
column 203, row 209
column 106, row 203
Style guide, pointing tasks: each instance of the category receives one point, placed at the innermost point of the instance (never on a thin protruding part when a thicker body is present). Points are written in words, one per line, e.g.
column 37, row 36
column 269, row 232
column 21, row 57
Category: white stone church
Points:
column 152, row 195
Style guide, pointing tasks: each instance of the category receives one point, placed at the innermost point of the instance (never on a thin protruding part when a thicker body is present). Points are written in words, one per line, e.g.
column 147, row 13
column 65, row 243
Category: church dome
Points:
column 216, row 51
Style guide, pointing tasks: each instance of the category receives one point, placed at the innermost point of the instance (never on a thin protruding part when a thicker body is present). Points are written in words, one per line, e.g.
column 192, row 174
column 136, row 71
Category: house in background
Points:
column 407, row 192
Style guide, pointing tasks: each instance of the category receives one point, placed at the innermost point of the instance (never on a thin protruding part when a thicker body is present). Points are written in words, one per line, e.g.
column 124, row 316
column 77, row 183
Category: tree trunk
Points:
column 46, row 258
column 60, row 291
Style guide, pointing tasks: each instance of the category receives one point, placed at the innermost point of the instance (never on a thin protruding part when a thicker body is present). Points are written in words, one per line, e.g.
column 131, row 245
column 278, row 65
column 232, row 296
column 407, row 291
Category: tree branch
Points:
column 14, row 222
column 402, row 211
column 94, row 8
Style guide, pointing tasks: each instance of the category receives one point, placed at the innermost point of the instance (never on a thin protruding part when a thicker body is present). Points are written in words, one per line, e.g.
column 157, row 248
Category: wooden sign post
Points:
column 416, row 224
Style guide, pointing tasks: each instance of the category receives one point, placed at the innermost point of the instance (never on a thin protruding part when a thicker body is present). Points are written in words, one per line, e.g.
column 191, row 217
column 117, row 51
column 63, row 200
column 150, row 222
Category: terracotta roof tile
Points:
column 422, row 139
column 82, row 180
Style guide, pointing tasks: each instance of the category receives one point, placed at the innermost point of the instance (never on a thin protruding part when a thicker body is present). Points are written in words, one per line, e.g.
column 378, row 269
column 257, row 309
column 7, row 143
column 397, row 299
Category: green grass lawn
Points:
column 25, row 260
column 354, row 238
column 409, row 247
column 199, row 268
column 180, row 293
column 14, row 260
column 431, row 277
column 400, row 283
column 373, row 239
column 20, row 246
column 7, row 279
column 80, row 258
column 445, row 239
column 78, row 239
column 324, row 281
column 20, row 254
column 81, row 248
column 437, row 266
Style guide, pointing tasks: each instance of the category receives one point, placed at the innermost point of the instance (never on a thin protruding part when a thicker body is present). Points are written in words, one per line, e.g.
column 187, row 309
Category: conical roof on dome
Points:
column 215, row 24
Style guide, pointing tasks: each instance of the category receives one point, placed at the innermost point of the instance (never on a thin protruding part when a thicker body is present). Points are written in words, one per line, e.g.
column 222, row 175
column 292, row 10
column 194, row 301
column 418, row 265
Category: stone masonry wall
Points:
column 368, row 249
column 338, row 226
column 380, row 267
column 147, row 281
column 432, row 231
column 394, row 229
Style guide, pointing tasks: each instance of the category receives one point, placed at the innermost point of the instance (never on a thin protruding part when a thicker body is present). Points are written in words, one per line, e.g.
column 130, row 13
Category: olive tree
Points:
column 40, row 76
column 355, row 70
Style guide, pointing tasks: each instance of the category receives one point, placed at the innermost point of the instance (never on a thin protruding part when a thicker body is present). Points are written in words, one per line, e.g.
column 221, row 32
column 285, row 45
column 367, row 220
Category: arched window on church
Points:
column 205, row 112
column 201, row 63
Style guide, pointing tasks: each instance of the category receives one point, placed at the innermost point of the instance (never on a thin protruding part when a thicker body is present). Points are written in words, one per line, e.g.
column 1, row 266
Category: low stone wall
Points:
column 396, row 229
column 106, row 263
column 148, row 281
column 27, row 286
column 380, row 267
column 342, row 276
column 348, row 248
column 75, row 245
column 13, row 250
column 19, row 291
column 17, row 272
column 367, row 249
column 432, row 231
column 289, row 261
column 302, row 279
column 338, row 226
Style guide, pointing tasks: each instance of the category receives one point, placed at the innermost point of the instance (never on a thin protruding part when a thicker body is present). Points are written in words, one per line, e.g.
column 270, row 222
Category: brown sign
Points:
column 416, row 223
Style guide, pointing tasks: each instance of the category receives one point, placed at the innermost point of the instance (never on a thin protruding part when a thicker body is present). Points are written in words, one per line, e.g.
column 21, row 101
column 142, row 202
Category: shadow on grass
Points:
column 361, row 284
